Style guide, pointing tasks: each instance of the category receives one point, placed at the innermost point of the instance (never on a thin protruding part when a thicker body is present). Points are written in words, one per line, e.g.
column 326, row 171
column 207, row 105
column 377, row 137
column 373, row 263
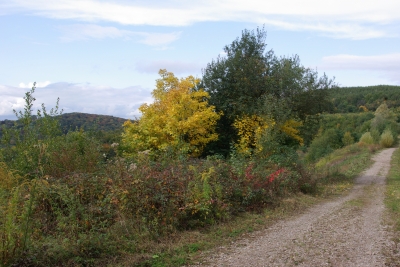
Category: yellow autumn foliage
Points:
column 290, row 127
column 179, row 118
column 251, row 128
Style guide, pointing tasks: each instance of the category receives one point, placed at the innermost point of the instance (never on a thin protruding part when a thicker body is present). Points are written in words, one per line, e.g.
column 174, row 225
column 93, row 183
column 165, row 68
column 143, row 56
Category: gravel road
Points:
column 347, row 231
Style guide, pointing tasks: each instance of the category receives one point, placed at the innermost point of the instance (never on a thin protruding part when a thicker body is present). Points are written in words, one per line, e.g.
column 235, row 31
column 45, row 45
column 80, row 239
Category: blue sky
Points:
column 103, row 56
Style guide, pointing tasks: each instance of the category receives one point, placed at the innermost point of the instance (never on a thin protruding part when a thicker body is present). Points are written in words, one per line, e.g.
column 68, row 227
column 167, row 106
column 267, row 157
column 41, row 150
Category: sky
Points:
column 103, row 56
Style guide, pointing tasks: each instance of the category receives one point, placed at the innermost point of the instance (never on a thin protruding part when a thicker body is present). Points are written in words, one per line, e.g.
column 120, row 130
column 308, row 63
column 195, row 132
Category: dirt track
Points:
column 345, row 232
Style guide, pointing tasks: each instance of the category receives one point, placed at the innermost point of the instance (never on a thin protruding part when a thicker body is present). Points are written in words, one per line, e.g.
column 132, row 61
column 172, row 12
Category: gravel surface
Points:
column 347, row 231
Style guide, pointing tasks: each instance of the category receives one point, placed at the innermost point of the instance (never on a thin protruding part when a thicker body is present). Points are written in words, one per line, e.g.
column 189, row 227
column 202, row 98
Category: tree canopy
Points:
column 249, row 80
column 180, row 118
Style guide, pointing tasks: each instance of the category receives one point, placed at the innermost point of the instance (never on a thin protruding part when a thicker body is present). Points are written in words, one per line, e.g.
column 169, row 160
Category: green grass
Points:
column 392, row 202
column 337, row 170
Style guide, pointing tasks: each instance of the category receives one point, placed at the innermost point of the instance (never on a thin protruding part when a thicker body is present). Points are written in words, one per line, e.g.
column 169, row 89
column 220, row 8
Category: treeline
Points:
column 354, row 99
column 87, row 122
column 102, row 124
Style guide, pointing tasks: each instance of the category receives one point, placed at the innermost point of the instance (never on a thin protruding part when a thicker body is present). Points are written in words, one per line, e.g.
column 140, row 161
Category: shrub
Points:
column 376, row 135
column 25, row 144
column 325, row 144
column 366, row 138
column 75, row 152
column 387, row 139
column 347, row 139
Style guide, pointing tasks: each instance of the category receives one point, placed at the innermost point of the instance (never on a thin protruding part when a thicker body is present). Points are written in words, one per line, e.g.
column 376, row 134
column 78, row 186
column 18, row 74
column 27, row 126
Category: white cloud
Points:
column 87, row 31
column 177, row 67
column 356, row 19
column 91, row 31
column 337, row 30
column 10, row 99
column 85, row 98
column 158, row 39
column 38, row 84
column 388, row 62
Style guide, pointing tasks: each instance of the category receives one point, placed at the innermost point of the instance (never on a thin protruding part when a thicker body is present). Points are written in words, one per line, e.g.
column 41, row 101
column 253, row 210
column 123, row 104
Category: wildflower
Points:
column 114, row 145
column 275, row 174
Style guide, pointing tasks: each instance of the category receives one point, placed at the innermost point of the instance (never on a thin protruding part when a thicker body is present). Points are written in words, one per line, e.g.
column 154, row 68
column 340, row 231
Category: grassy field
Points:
column 392, row 202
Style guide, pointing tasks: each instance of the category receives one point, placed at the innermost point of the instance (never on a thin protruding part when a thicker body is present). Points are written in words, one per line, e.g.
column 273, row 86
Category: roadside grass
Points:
column 335, row 174
column 392, row 202
column 189, row 247
column 338, row 169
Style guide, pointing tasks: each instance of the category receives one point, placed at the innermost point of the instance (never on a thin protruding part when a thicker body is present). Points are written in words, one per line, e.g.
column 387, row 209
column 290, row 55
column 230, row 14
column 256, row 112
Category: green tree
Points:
column 249, row 78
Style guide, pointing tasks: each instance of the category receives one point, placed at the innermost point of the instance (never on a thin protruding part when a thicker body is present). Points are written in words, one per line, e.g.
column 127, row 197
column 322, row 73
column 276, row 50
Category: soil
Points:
column 348, row 231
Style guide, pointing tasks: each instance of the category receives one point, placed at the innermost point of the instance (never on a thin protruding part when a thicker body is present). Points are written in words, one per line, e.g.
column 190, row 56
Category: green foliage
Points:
column 344, row 164
column 349, row 128
column 107, row 129
column 392, row 202
column 371, row 124
column 367, row 138
column 384, row 120
column 325, row 144
column 88, row 122
column 376, row 135
column 387, row 139
column 17, row 196
column 349, row 99
column 24, row 146
column 73, row 152
column 347, row 139
column 355, row 123
column 248, row 80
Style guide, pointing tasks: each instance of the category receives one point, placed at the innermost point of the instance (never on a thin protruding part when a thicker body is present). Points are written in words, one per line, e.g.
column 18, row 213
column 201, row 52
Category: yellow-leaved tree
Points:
column 251, row 128
column 180, row 118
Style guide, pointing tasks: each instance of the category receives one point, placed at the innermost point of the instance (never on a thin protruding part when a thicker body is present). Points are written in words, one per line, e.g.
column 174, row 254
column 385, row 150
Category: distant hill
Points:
column 76, row 120
column 349, row 99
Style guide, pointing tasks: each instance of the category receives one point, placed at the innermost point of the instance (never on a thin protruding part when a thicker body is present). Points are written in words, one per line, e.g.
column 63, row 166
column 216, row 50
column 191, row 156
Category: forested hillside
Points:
column 71, row 121
column 76, row 120
column 349, row 99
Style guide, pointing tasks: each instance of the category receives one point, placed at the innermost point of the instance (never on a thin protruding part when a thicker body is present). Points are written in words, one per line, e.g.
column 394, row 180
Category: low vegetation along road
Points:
column 348, row 231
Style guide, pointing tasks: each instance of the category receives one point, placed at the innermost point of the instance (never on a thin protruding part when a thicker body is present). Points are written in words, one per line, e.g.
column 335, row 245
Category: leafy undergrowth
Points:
column 146, row 213
column 392, row 202
column 335, row 176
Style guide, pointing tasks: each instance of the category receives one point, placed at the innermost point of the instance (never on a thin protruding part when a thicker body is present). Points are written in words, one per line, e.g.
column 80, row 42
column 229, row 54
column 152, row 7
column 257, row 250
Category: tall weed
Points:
column 16, row 205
